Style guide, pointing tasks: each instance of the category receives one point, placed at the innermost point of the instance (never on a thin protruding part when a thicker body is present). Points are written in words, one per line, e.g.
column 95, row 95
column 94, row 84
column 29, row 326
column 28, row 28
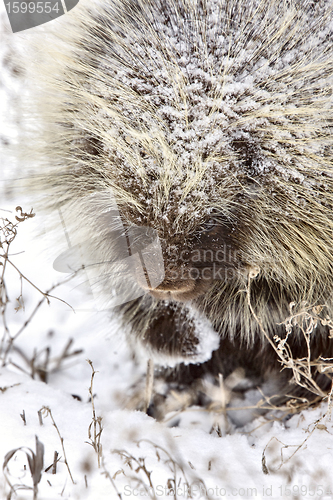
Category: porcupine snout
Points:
column 192, row 266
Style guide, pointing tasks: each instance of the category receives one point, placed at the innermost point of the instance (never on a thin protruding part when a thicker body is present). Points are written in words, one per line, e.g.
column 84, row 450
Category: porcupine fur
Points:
column 211, row 123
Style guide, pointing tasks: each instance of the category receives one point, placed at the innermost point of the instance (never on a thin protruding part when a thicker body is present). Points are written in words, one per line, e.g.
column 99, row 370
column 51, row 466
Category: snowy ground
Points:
column 133, row 455
column 139, row 457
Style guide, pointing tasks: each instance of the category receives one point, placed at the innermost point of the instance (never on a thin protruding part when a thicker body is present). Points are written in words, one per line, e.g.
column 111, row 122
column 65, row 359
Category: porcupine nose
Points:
column 173, row 290
column 169, row 286
column 179, row 288
column 173, row 286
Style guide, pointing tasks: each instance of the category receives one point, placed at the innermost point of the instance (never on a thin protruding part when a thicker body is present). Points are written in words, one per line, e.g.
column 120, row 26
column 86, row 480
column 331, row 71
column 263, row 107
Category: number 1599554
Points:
column 32, row 7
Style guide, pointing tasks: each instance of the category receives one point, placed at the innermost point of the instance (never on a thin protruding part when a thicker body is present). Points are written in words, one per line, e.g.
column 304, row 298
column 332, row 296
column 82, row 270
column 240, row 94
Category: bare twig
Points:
column 108, row 475
column 47, row 412
column 96, row 423
column 301, row 367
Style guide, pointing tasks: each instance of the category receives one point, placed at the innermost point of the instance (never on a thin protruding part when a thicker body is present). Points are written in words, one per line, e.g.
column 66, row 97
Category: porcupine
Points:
column 210, row 121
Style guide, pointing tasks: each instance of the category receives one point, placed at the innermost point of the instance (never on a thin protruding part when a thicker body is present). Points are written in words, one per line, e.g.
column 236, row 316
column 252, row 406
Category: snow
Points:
column 226, row 466
column 141, row 458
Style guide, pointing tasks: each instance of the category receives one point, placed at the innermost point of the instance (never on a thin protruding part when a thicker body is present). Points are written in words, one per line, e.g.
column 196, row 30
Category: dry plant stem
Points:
column 96, row 423
column 170, row 460
column 4, row 299
column 107, row 474
column 46, row 296
column 64, row 353
column 48, row 412
column 55, row 461
column 141, row 466
column 43, row 369
column 5, row 257
column 175, row 464
column 8, row 232
column 236, row 408
column 313, row 387
column 53, row 466
column 35, row 463
column 317, row 425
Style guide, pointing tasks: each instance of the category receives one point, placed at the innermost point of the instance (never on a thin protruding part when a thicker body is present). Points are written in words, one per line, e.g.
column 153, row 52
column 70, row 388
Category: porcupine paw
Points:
column 178, row 333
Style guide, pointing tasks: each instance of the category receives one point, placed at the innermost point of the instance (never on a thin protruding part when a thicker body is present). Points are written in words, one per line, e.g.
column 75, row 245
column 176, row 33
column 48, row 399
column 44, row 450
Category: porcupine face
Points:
column 212, row 123
column 192, row 266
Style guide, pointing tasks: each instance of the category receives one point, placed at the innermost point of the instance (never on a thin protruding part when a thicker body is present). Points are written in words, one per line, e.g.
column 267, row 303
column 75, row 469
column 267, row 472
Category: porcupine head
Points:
column 194, row 138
